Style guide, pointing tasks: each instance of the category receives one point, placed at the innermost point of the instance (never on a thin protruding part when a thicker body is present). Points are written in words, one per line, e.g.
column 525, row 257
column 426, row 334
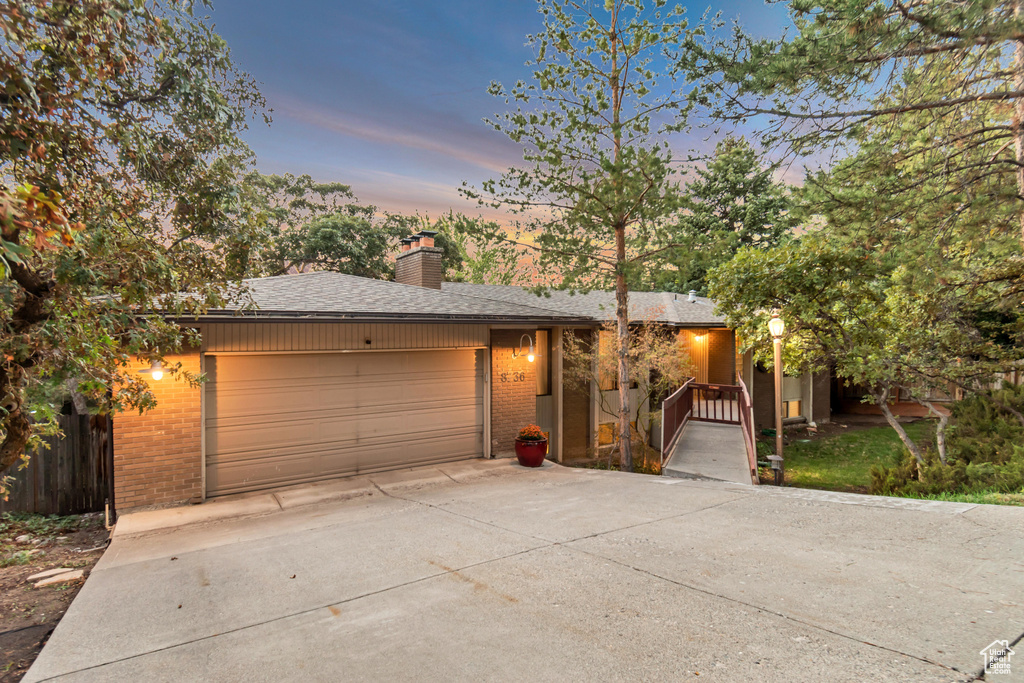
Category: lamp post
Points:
column 777, row 327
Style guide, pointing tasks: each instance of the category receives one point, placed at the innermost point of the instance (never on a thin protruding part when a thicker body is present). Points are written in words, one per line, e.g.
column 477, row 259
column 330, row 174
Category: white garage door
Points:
column 276, row 420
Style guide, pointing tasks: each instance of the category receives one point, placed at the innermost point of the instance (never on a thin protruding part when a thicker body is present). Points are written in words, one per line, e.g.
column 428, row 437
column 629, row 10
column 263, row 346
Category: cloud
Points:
column 468, row 147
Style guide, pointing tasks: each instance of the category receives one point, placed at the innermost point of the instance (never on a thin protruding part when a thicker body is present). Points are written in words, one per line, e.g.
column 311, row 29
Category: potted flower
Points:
column 531, row 446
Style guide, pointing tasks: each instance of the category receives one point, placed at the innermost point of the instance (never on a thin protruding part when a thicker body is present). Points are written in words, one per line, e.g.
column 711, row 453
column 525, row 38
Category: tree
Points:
column 922, row 104
column 598, row 180
column 468, row 257
column 892, row 289
column 658, row 363
column 846, row 67
column 288, row 223
column 733, row 202
column 119, row 151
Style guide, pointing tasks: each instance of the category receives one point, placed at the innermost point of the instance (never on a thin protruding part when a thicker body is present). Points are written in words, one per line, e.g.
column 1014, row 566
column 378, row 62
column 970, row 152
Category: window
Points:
column 543, row 362
column 608, row 363
column 606, row 372
column 791, row 409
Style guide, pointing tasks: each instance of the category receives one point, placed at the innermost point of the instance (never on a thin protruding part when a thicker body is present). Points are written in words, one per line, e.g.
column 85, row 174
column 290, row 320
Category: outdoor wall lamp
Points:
column 156, row 371
column 530, row 356
column 777, row 327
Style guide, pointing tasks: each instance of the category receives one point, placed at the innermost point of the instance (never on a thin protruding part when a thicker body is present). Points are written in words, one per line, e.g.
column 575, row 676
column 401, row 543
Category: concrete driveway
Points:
column 486, row 571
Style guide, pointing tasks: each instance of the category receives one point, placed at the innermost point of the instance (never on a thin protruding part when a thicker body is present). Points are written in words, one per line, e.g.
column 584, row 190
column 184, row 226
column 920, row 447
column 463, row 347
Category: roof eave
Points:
column 312, row 316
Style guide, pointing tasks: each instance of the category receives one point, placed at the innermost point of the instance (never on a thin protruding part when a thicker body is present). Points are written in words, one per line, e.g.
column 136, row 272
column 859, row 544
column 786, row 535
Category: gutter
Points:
column 286, row 316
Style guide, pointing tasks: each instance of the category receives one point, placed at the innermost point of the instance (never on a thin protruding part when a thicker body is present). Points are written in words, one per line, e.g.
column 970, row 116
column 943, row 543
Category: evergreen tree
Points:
column 598, row 182
column 734, row 202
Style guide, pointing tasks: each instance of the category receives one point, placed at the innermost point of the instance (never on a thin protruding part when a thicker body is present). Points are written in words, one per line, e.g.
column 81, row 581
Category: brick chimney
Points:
column 419, row 262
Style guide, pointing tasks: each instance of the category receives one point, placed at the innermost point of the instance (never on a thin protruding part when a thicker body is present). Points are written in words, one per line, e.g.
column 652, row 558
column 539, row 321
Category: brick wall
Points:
column 420, row 267
column 575, row 412
column 721, row 357
column 513, row 391
column 158, row 455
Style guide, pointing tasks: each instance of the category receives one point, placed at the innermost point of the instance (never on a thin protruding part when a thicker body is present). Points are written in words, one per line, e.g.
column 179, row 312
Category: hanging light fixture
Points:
column 156, row 371
column 530, row 355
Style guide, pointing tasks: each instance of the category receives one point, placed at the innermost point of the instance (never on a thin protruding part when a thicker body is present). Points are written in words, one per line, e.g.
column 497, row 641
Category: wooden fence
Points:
column 72, row 476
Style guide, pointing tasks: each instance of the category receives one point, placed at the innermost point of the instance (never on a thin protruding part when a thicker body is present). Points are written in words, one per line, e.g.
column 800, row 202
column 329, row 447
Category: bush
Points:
column 983, row 431
column 985, row 452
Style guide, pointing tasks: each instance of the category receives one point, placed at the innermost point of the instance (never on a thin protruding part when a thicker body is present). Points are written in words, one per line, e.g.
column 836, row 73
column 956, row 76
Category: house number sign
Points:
column 513, row 377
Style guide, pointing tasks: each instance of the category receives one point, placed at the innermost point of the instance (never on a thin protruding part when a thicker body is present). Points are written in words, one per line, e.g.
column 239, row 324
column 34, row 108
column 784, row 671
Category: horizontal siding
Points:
column 319, row 336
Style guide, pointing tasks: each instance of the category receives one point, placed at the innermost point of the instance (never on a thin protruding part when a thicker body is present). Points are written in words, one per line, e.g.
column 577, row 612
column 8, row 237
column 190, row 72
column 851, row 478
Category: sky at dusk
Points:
column 388, row 96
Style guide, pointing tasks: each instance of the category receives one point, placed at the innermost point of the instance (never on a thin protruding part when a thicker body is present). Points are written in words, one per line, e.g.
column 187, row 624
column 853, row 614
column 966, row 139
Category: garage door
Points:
column 276, row 420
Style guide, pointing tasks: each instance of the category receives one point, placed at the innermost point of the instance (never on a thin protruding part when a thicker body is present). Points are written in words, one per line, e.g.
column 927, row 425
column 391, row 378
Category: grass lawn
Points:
column 842, row 461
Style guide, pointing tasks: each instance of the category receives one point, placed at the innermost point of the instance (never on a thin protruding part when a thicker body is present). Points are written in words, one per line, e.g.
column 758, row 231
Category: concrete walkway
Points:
column 710, row 451
column 486, row 571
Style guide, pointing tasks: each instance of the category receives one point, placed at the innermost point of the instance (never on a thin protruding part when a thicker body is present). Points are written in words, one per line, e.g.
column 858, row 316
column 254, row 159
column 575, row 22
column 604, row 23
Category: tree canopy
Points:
column 120, row 155
column 733, row 202
column 598, row 179
column 850, row 63
column 890, row 288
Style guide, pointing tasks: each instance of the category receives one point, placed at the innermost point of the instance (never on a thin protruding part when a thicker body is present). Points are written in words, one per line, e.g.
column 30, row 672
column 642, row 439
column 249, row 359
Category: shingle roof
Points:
column 325, row 294
column 664, row 307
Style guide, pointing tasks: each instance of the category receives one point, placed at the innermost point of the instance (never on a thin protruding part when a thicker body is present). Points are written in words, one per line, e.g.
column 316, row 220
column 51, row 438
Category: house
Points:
column 325, row 375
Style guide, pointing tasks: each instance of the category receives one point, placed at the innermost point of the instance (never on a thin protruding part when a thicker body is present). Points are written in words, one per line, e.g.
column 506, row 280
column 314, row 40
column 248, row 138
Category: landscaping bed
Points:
column 29, row 545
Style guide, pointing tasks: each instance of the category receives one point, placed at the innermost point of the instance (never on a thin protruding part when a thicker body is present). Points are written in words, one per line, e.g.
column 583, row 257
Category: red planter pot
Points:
column 531, row 453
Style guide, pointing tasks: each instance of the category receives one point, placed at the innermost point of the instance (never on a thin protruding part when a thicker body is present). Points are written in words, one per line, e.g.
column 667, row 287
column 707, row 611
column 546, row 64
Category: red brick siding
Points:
column 575, row 413
column 158, row 455
column 420, row 267
column 721, row 357
column 513, row 395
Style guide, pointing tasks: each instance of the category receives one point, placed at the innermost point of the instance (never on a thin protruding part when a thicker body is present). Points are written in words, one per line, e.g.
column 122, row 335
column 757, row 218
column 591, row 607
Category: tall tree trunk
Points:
column 1018, row 113
column 16, row 425
column 883, row 403
column 621, row 288
column 622, row 324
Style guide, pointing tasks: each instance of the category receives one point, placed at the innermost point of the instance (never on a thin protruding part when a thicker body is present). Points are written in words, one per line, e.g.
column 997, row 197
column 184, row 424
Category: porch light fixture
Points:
column 778, row 327
column 156, row 371
column 530, row 355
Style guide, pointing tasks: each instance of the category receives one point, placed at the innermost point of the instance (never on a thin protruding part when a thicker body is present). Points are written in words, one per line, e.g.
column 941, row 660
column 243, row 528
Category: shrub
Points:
column 983, row 431
column 531, row 433
column 985, row 452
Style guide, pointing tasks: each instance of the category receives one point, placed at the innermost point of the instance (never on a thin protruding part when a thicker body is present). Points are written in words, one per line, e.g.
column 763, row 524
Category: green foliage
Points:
column 469, row 257
column 287, row 223
column 986, row 452
column 843, row 462
column 659, row 362
column 889, row 288
column 16, row 558
column 17, row 523
column 121, row 155
column 598, row 180
column 733, row 203
column 984, row 431
column 908, row 477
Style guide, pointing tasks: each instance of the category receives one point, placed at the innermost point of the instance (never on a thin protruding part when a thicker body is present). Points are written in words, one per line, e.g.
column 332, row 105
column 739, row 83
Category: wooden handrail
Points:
column 672, row 422
column 747, row 426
